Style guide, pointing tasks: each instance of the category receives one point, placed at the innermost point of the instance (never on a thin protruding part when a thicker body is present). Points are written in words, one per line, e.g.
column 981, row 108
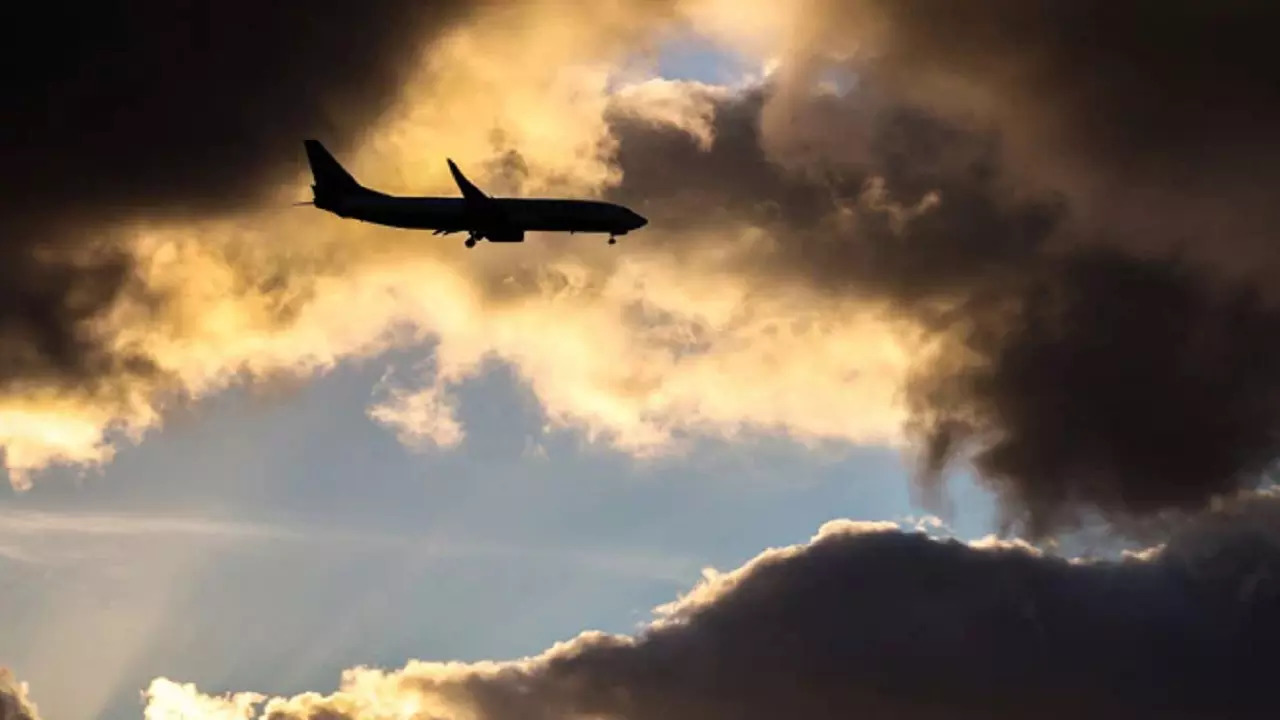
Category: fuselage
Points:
column 454, row 214
column 476, row 213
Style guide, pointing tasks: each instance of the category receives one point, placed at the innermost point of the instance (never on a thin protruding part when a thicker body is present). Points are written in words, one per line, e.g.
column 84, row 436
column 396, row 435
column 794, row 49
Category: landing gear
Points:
column 613, row 240
column 471, row 240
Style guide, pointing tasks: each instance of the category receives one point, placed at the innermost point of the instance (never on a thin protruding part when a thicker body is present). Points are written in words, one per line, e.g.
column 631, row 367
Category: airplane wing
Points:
column 469, row 191
column 488, row 217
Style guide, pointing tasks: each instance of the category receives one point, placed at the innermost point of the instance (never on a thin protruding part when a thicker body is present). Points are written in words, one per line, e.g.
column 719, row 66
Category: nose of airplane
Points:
column 639, row 220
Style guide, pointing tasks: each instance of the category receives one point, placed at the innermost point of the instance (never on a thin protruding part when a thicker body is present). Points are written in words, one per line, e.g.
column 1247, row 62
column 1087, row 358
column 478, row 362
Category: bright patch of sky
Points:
column 269, row 543
column 689, row 57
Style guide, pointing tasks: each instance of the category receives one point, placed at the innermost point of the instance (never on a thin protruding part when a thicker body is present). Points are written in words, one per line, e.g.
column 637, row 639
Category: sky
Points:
column 498, row 548
column 924, row 394
column 519, row 538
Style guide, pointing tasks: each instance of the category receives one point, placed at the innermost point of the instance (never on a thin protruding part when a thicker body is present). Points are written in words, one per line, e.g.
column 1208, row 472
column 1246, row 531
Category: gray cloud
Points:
column 1104, row 324
column 887, row 200
column 872, row 621
column 890, row 624
column 1123, row 84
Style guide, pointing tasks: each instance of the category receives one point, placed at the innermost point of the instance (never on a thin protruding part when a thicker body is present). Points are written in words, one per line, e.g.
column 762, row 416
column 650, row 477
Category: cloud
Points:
column 420, row 417
column 1139, row 91
column 1074, row 228
column 956, row 241
column 630, row 348
column 867, row 619
column 150, row 110
column 72, row 551
column 14, row 702
column 95, row 604
column 183, row 701
column 24, row 525
column 1047, row 256
column 160, row 111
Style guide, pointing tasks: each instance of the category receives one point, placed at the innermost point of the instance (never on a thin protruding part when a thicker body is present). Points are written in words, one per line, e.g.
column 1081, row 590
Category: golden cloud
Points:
column 626, row 343
column 15, row 702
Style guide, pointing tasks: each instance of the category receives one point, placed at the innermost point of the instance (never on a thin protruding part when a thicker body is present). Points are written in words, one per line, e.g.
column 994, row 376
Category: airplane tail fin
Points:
column 330, row 179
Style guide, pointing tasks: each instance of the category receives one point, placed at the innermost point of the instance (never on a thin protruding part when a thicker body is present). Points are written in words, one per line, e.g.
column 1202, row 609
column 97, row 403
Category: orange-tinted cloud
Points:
column 936, row 244
column 638, row 347
column 14, row 701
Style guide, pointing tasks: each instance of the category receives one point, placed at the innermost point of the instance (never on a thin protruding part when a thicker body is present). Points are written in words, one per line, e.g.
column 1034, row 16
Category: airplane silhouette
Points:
column 482, row 217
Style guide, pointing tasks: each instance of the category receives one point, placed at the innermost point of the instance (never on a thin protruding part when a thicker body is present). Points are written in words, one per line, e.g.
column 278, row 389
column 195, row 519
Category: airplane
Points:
column 481, row 216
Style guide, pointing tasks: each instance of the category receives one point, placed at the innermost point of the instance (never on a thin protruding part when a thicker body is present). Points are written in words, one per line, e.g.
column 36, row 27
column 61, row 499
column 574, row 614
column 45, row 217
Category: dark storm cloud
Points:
column 907, row 160
column 1111, row 383
column 1135, row 377
column 1125, row 83
column 1159, row 117
column 119, row 109
column 1065, row 199
column 874, row 622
